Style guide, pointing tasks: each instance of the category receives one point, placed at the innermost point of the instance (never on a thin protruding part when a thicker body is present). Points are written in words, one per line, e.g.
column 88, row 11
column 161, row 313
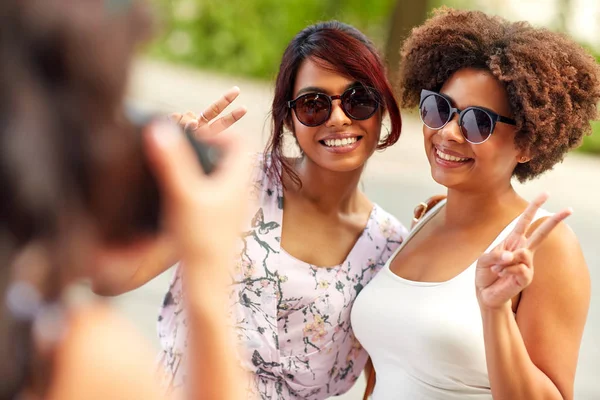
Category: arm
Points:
column 371, row 379
column 216, row 374
column 204, row 214
column 120, row 271
column 534, row 356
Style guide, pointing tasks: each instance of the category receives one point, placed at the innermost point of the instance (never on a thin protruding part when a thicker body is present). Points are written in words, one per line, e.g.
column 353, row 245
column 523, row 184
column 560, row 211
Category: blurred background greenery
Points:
column 247, row 37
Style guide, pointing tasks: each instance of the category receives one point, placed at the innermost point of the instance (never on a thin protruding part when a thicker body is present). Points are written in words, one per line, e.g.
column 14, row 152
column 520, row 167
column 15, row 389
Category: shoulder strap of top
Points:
column 541, row 213
column 418, row 227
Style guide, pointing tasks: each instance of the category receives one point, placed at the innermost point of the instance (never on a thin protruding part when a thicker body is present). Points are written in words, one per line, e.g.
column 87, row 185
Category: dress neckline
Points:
column 366, row 228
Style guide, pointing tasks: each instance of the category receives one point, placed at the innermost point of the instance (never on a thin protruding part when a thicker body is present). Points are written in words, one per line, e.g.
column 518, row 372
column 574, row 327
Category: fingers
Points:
column 542, row 232
column 200, row 124
column 218, row 106
column 529, row 215
column 495, row 257
column 225, row 122
column 185, row 121
column 520, row 273
column 433, row 200
column 520, row 268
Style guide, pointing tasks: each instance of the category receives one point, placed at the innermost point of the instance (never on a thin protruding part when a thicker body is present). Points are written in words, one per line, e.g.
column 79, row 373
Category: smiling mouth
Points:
column 448, row 157
column 340, row 142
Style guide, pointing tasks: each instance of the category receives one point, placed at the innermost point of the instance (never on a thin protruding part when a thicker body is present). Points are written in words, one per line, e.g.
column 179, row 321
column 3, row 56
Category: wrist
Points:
column 496, row 311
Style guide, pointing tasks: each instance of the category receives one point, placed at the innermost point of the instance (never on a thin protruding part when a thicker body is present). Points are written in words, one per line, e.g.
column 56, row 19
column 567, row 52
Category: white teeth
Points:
column 340, row 142
column 448, row 157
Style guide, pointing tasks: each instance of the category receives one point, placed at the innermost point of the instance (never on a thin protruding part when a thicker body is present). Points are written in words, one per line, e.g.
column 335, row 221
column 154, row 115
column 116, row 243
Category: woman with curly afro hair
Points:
column 458, row 312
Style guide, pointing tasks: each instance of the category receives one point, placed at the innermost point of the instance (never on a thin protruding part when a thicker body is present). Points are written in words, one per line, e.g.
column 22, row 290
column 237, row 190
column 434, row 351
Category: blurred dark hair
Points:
column 343, row 48
column 63, row 148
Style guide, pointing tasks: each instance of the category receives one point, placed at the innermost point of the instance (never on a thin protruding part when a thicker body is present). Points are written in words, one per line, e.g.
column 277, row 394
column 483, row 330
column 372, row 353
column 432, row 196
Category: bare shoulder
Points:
column 559, row 261
column 102, row 357
column 552, row 311
column 561, row 248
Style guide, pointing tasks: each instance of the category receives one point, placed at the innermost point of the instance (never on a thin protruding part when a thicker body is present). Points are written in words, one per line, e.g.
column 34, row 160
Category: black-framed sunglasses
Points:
column 314, row 109
column 476, row 123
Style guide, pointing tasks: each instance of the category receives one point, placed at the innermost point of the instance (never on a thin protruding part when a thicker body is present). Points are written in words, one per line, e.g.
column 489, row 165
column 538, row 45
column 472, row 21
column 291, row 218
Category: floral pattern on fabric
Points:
column 291, row 318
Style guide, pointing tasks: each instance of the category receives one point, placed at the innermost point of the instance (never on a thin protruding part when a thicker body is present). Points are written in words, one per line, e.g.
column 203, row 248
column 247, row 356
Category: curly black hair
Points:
column 553, row 84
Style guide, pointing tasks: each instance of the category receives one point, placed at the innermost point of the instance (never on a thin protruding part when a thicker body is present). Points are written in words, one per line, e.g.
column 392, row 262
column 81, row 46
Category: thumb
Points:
column 495, row 257
column 171, row 159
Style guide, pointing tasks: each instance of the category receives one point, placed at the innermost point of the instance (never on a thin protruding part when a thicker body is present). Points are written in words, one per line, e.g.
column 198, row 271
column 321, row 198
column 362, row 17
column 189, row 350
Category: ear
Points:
column 524, row 156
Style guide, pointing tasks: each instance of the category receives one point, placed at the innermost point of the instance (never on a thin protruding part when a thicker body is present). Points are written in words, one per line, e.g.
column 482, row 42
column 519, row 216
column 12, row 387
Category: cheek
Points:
column 304, row 135
column 372, row 127
column 428, row 134
column 498, row 156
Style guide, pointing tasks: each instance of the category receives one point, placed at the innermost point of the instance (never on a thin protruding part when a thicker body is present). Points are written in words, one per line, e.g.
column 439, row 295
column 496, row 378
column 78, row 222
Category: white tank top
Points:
column 425, row 338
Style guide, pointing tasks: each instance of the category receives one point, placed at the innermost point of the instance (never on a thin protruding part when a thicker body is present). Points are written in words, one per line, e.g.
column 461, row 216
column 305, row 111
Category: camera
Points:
column 132, row 209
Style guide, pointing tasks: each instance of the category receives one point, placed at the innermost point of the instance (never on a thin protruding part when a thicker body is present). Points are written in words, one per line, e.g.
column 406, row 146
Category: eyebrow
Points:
column 316, row 89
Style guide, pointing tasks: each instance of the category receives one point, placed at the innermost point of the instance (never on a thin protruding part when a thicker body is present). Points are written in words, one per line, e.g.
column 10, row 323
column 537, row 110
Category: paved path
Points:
column 396, row 179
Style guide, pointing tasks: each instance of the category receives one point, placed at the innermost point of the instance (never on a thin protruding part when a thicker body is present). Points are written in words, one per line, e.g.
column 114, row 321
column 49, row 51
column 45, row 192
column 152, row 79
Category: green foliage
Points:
column 591, row 144
column 248, row 37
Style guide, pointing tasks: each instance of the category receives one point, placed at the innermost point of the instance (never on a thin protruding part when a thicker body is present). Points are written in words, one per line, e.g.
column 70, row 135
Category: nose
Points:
column 452, row 132
column 338, row 117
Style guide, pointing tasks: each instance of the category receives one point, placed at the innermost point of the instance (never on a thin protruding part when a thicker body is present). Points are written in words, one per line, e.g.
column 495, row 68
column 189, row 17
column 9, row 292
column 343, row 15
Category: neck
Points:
column 467, row 208
column 330, row 191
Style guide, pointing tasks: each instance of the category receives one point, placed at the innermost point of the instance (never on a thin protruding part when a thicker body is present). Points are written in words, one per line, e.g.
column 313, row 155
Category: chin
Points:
column 447, row 179
column 345, row 165
column 341, row 162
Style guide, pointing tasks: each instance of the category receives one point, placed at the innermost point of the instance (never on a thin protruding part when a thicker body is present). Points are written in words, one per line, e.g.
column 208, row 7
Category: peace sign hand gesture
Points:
column 205, row 125
column 508, row 269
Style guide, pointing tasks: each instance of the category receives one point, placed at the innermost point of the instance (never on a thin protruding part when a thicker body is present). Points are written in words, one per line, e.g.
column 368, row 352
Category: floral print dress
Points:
column 292, row 318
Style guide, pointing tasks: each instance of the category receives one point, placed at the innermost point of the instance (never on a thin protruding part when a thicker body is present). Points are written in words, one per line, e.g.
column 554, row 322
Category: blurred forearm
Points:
column 116, row 272
column 215, row 372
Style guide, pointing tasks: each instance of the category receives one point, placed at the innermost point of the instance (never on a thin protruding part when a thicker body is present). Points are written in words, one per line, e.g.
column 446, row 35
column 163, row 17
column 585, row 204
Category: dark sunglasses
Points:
column 476, row 123
column 314, row 109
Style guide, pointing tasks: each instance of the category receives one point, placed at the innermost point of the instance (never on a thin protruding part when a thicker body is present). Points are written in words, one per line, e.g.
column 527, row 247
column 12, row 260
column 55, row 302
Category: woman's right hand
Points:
column 201, row 124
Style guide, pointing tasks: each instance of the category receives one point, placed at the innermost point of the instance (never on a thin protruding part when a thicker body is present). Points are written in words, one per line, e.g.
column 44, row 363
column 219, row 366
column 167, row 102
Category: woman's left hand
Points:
column 508, row 269
column 205, row 126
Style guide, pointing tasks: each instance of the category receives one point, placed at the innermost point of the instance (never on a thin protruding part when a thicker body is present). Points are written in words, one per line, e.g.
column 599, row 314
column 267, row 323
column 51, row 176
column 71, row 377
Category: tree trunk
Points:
column 565, row 9
column 406, row 15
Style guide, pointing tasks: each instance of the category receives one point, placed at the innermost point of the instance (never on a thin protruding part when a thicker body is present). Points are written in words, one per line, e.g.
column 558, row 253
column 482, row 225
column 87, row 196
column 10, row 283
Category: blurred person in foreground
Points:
column 72, row 173
column 488, row 296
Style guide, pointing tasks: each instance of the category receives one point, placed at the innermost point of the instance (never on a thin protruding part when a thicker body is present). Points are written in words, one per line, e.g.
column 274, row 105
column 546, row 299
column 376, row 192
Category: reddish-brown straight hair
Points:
column 336, row 46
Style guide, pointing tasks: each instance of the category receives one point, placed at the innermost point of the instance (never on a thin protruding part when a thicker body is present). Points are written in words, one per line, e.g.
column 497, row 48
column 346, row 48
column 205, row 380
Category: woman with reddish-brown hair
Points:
column 314, row 239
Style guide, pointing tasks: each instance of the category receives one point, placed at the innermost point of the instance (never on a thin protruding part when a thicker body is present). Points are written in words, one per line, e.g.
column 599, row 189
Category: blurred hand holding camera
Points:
column 200, row 211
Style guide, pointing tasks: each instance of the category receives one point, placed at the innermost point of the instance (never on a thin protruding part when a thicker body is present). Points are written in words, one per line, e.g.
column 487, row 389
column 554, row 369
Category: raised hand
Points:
column 508, row 269
column 423, row 208
column 201, row 124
